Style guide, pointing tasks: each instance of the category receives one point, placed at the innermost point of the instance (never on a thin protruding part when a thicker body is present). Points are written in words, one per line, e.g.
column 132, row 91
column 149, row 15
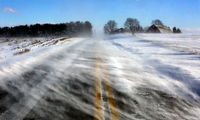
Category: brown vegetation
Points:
column 22, row 52
column 55, row 42
column 36, row 41
column 62, row 39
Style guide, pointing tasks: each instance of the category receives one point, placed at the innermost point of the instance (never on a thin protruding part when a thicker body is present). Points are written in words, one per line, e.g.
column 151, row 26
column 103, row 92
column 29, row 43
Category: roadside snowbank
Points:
column 18, row 49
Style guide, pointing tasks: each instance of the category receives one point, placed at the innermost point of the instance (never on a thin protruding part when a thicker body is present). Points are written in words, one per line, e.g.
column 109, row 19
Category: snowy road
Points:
column 118, row 77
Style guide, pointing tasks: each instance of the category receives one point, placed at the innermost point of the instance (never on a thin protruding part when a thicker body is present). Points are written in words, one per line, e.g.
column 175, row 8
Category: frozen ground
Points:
column 185, row 42
column 15, row 49
column 119, row 77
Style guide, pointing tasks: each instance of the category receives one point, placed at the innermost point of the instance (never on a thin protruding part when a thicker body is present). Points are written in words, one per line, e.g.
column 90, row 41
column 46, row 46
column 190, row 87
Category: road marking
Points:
column 99, row 65
column 111, row 100
column 98, row 95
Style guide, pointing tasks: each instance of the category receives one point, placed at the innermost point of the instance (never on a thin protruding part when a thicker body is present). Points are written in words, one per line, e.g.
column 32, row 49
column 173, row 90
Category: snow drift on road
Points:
column 173, row 70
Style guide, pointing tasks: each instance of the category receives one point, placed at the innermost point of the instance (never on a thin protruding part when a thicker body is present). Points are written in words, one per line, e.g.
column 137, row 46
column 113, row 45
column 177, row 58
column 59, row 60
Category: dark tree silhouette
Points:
column 133, row 25
column 37, row 30
column 110, row 27
column 88, row 27
column 157, row 22
column 176, row 30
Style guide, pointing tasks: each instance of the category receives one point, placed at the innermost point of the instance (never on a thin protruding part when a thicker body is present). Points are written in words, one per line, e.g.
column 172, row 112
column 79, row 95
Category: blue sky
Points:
column 180, row 13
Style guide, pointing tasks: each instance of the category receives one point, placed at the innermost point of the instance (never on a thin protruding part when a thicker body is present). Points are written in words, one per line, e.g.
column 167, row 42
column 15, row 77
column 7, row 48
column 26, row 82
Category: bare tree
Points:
column 179, row 31
column 157, row 22
column 133, row 25
column 176, row 30
column 110, row 27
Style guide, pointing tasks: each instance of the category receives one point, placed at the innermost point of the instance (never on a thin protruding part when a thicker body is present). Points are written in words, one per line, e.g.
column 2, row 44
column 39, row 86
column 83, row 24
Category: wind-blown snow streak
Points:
column 148, row 80
column 143, row 65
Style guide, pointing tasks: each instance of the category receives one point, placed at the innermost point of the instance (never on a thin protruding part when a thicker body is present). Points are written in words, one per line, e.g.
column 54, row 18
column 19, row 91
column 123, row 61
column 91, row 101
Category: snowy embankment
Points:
column 17, row 49
column 182, row 42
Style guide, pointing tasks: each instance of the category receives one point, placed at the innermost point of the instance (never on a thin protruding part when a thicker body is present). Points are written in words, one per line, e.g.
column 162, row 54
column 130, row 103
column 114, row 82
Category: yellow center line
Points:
column 111, row 100
column 98, row 98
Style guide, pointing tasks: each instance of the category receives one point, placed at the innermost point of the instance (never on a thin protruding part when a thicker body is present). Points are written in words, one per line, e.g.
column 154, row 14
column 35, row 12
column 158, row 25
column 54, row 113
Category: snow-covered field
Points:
column 162, row 54
column 189, row 42
column 16, row 49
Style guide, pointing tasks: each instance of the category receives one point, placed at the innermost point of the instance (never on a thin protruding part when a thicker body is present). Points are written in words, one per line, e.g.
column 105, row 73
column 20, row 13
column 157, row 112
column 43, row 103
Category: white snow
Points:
column 11, row 48
column 157, row 62
column 184, row 42
column 147, row 69
column 158, row 79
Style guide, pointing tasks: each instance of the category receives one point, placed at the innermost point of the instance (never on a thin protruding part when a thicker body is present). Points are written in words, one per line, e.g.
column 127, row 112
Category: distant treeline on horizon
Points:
column 42, row 30
column 132, row 25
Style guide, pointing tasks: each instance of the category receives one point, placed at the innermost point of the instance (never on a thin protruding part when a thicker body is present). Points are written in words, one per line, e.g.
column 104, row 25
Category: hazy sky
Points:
column 181, row 13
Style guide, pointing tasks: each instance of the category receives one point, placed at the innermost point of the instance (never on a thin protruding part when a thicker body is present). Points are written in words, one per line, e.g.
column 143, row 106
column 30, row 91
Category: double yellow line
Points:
column 98, row 93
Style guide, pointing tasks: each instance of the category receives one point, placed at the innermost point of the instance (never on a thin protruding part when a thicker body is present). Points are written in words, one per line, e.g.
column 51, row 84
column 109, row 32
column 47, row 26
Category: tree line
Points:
column 39, row 30
column 132, row 25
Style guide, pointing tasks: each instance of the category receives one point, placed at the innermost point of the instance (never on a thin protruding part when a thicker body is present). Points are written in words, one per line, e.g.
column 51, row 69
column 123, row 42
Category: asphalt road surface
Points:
column 101, row 79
